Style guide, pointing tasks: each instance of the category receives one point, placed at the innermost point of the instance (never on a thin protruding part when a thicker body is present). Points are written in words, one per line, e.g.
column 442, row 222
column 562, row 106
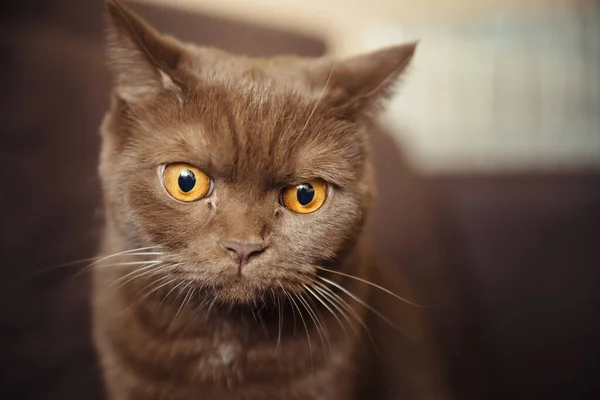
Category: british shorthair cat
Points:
column 235, row 263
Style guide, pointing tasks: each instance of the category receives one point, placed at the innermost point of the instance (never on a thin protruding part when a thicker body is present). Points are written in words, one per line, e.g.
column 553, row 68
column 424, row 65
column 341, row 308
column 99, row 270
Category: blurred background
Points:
column 488, row 163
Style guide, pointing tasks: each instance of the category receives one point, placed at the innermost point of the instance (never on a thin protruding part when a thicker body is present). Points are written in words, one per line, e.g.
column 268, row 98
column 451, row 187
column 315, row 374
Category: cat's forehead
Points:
column 265, row 74
column 257, row 130
column 271, row 117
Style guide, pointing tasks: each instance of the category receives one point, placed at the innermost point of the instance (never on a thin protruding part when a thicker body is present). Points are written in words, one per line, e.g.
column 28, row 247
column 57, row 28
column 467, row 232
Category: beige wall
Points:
column 342, row 22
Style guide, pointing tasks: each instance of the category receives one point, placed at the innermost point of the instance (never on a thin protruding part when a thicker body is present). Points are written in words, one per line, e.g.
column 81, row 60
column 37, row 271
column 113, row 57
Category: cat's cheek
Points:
column 309, row 238
column 166, row 222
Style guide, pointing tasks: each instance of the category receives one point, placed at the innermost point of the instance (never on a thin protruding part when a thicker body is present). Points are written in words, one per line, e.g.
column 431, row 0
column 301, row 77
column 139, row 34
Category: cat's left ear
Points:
column 360, row 83
column 143, row 61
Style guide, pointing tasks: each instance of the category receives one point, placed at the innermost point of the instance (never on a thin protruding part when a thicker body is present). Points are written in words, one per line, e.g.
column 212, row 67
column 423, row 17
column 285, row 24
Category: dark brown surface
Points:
column 521, row 319
column 533, row 258
column 53, row 95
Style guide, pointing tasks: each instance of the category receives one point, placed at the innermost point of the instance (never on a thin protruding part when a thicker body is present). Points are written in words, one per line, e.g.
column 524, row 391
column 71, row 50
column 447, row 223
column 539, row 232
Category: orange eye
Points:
column 185, row 182
column 305, row 198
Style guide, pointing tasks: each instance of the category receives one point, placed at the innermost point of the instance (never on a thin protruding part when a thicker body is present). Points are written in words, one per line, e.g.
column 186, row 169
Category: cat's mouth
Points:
column 232, row 289
column 238, row 291
column 222, row 282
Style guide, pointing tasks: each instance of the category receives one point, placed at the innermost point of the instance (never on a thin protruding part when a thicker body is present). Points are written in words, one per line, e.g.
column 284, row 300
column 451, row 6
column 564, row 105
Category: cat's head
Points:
column 248, row 173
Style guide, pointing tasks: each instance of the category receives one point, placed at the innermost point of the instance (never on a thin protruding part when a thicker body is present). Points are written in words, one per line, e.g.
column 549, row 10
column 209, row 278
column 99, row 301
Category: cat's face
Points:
column 247, row 174
column 234, row 231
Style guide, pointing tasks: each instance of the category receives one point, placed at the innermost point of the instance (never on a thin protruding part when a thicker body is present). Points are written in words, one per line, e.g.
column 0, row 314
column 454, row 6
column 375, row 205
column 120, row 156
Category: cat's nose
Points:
column 242, row 250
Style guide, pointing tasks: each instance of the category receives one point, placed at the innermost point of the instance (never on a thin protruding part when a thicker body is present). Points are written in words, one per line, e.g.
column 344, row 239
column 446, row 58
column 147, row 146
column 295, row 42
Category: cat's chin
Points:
column 248, row 288
column 239, row 292
column 237, row 297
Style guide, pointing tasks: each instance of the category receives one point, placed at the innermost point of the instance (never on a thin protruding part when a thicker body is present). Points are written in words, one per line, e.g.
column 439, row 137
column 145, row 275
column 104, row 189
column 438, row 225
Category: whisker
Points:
column 202, row 301
column 211, row 305
column 160, row 282
column 287, row 295
column 131, row 263
column 186, row 299
column 333, row 301
column 257, row 317
column 314, row 318
column 373, row 285
column 154, row 282
column 160, row 286
column 262, row 322
column 321, row 300
column 358, row 300
column 343, row 303
column 95, row 260
column 136, row 273
column 279, row 311
column 97, row 265
column 98, row 257
column 143, row 253
column 171, row 291
column 317, row 312
column 292, row 295
column 252, row 311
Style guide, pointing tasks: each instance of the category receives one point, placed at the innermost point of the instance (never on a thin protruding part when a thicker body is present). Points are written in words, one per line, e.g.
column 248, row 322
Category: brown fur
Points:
column 254, row 126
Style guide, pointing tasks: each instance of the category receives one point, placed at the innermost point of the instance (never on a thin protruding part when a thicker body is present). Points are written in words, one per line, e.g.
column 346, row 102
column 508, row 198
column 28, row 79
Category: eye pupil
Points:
column 305, row 193
column 186, row 181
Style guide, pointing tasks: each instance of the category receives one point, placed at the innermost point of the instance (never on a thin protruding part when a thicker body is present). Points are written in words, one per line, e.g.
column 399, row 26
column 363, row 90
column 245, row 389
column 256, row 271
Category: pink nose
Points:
column 242, row 251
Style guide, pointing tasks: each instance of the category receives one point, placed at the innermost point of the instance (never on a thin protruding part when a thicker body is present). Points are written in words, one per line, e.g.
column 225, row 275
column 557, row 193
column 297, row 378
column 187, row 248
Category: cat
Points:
column 235, row 263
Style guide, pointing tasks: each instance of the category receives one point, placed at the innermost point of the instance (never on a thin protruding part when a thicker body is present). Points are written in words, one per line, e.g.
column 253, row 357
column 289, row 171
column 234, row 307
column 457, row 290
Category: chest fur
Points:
column 222, row 361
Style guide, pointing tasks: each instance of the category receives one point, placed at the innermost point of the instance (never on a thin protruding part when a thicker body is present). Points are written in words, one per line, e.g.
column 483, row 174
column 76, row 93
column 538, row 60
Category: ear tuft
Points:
column 143, row 62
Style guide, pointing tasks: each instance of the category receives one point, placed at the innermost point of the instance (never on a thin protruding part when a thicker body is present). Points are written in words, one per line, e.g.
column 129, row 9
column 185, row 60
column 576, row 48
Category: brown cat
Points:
column 236, row 192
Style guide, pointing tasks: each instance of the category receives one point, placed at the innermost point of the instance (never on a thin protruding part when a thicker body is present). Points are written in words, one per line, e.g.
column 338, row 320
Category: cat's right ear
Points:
column 143, row 62
column 361, row 83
